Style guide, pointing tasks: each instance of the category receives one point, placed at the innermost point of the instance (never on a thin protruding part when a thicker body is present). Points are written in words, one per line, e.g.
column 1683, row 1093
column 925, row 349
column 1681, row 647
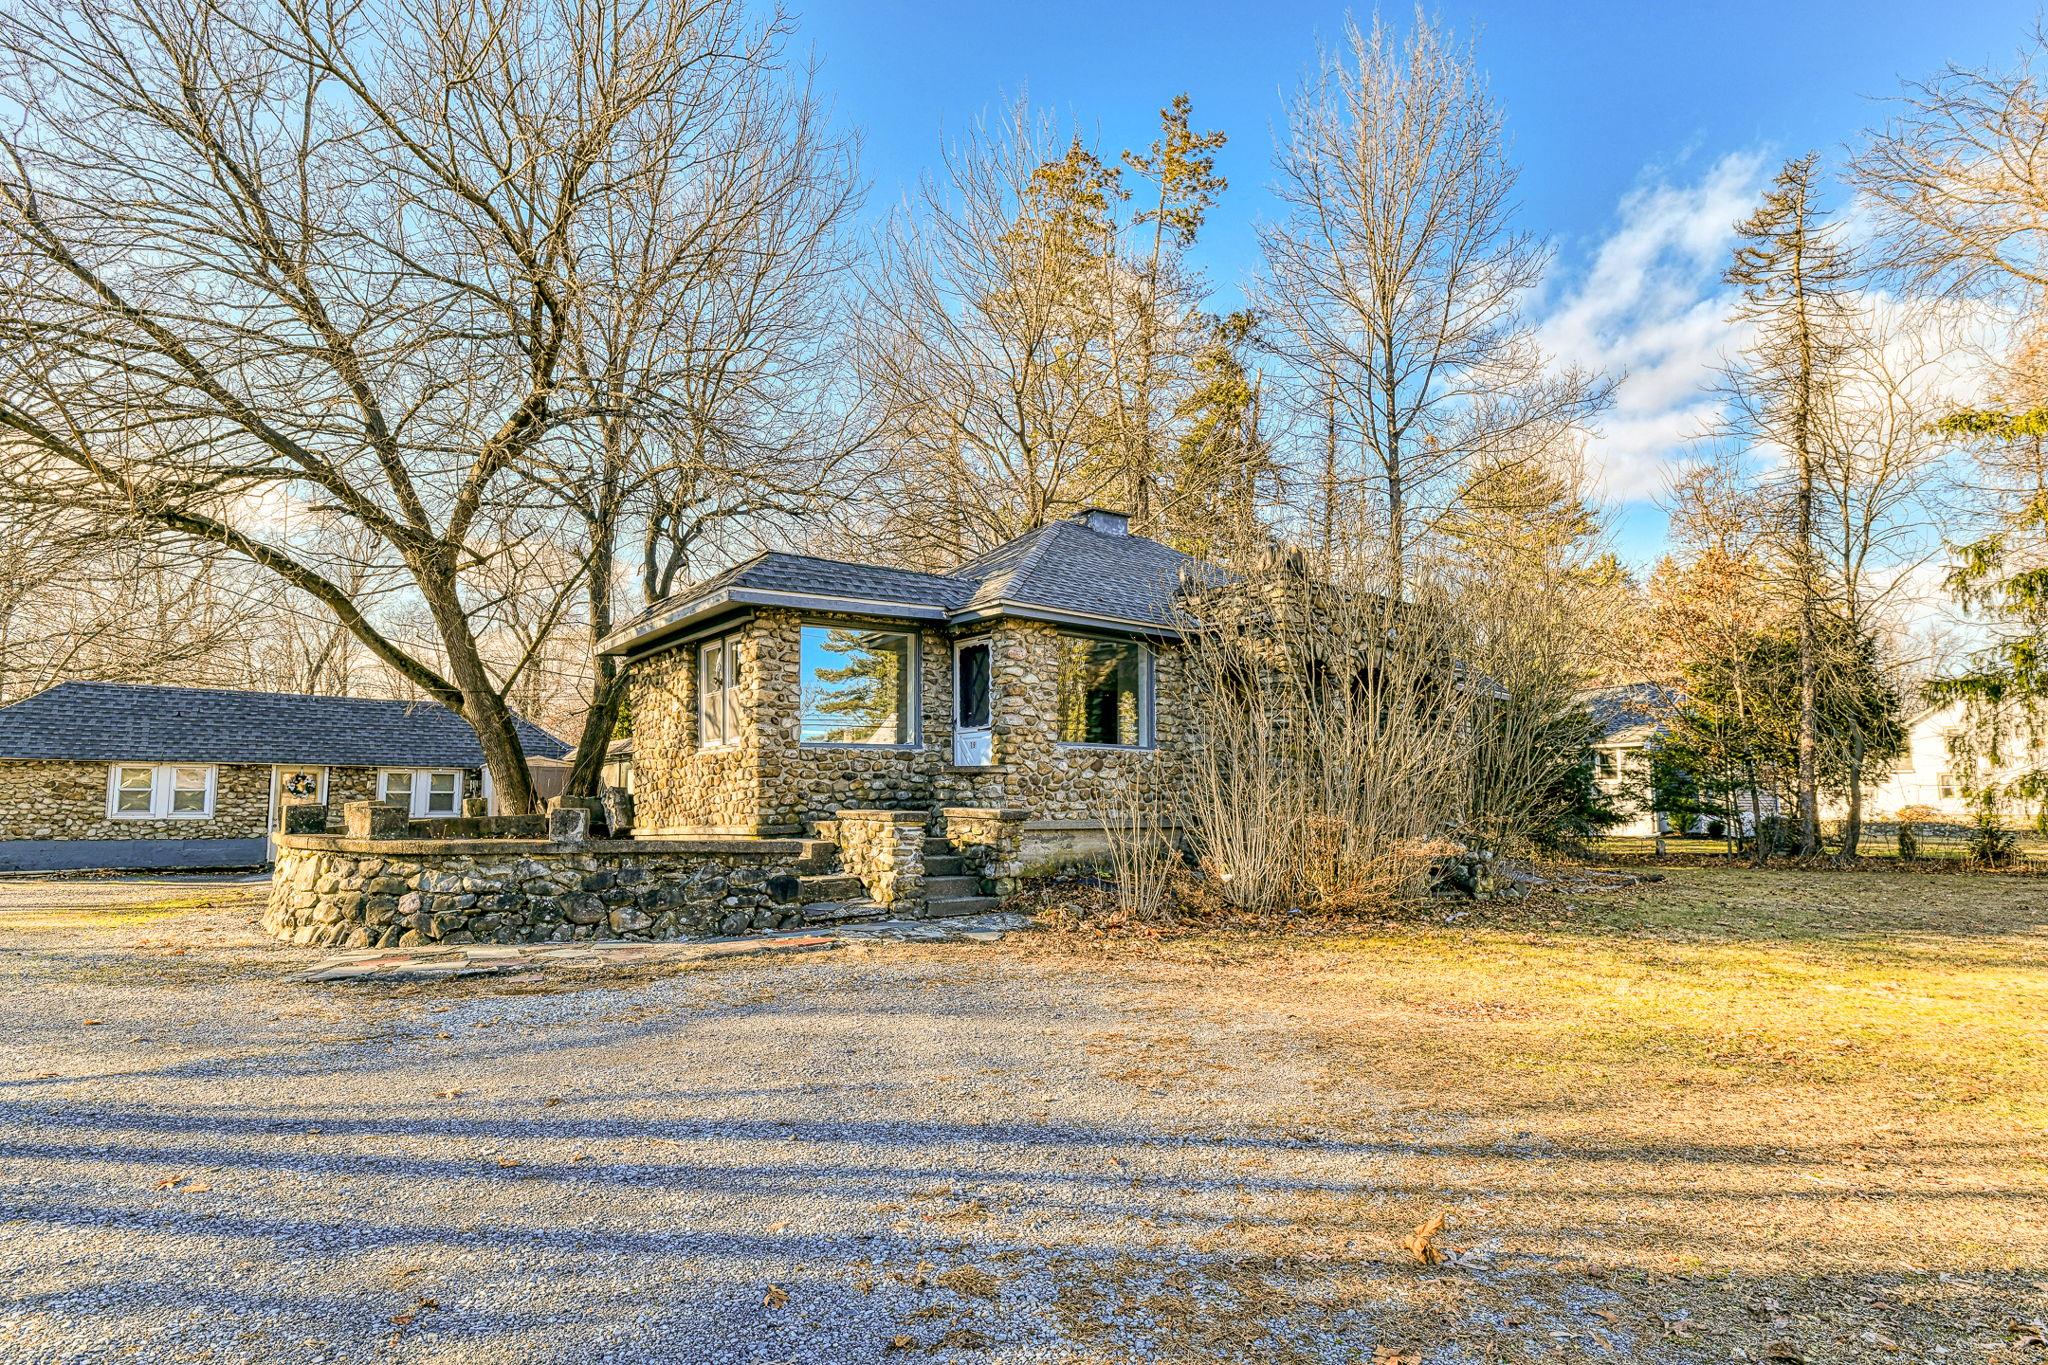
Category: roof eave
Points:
column 632, row 638
column 1031, row 611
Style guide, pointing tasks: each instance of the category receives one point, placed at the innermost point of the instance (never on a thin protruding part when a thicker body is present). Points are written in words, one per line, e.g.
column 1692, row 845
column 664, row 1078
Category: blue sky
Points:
column 1643, row 131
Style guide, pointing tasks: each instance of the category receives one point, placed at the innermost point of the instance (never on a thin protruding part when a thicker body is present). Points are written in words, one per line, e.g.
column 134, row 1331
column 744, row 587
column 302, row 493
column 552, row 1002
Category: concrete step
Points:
column 960, row 905
column 946, row 888
column 935, row 844
column 834, row 886
column 819, row 855
column 843, row 912
column 944, row 865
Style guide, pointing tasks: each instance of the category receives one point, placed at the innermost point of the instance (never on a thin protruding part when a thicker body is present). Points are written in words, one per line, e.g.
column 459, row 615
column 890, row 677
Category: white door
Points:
column 973, row 705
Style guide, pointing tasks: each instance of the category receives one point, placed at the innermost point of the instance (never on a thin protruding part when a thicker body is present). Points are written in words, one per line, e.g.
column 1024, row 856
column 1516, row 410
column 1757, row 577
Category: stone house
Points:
column 119, row 775
column 1039, row 680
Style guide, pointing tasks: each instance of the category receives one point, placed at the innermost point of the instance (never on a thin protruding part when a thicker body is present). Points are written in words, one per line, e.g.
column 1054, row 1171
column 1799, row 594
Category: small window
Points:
column 1947, row 783
column 1104, row 692
column 1610, row 763
column 718, row 681
column 857, row 686
column 426, row 793
column 444, row 793
column 397, row 786
column 160, row 791
column 189, row 790
column 134, row 790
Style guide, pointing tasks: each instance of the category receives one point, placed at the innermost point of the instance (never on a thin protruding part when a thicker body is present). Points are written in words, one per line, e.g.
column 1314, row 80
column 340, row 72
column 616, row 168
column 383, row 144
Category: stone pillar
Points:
column 569, row 825
column 373, row 820
column 885, row 849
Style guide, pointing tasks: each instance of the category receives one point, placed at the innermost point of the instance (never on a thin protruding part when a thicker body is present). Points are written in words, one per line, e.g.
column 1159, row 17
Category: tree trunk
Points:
column 1760, row 849
column 1852, row 827
column 483, row 705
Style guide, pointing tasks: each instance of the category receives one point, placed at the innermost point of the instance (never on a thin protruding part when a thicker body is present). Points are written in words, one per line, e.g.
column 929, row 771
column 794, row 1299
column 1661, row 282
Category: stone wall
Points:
column 1065, row 782
column 331, row 891
column 55, row 800
column 679, row 787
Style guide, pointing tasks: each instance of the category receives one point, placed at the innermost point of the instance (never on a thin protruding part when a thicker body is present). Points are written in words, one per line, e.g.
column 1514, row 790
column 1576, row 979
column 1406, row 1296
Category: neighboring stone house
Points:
column 1038, row 679
column 118, row 775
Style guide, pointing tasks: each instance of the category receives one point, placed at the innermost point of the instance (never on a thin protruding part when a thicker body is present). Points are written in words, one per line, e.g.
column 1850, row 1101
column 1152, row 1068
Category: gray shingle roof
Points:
column 1628, row 707
column 112, row 722
column 1069, row 567
column 1065, row 567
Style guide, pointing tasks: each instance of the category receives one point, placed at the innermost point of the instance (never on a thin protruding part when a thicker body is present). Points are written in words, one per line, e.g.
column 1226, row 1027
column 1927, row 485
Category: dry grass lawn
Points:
column 1734, row 1114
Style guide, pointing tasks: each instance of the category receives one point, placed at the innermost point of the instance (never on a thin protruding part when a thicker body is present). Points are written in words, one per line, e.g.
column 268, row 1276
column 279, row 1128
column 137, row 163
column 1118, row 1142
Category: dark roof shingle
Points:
column 113, row 722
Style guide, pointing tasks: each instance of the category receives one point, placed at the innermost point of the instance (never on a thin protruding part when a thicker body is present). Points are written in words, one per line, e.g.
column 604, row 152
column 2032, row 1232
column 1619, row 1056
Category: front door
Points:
column 295, row 787
column 973, row 729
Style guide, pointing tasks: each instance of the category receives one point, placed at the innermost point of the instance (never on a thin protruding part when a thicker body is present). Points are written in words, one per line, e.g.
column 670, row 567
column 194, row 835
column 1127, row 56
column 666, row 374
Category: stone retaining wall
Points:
column 335, row 891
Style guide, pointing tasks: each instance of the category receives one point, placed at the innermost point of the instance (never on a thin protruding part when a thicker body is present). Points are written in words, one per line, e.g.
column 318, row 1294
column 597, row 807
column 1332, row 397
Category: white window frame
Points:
column 913, row 724
column 420, row 791
column 726, row 691
column 1147, row 734
column 163, row 779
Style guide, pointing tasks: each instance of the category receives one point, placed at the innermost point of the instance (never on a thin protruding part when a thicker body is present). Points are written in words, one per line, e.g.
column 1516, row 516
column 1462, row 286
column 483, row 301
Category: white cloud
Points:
column 1649, row 308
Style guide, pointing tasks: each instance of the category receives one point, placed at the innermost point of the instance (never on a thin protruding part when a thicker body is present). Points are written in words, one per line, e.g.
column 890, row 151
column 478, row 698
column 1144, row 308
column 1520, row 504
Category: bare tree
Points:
column 1959, row 183
column 985, row 339
column 257, row 255
column 1394, row 280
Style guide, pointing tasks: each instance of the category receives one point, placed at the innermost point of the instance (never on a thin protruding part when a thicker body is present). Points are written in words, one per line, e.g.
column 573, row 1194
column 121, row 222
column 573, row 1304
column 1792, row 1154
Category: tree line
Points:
column 415, row 347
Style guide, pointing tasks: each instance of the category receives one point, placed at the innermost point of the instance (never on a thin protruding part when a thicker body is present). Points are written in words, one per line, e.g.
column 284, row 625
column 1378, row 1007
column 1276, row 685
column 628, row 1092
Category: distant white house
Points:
column 1929, row 774
column 1626, row 719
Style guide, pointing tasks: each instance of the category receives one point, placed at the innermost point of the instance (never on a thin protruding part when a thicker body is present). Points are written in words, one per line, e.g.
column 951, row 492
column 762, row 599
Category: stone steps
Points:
column 948, row 888
column 944, row 865
column 830, row 886
column 843, row 912
column 936, row 845
column 960, row 905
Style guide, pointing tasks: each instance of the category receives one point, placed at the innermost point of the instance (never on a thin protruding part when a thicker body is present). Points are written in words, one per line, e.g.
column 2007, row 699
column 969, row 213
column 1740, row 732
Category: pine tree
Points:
column 1793, row 272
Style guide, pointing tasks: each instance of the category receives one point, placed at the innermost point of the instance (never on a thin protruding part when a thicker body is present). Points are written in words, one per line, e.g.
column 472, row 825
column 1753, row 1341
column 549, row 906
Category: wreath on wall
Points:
column 302, row 784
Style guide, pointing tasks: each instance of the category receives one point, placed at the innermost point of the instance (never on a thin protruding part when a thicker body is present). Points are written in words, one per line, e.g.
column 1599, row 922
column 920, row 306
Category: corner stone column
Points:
column 885, row 849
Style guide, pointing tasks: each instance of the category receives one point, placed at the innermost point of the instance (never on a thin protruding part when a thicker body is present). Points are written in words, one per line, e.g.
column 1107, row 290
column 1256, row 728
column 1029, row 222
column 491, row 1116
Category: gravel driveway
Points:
column 851, row 1156
column 1012, row 1152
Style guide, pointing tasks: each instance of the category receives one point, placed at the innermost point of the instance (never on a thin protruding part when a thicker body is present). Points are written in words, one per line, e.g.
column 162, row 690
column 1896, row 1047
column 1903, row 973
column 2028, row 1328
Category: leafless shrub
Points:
column 1142, row 856
column 1336, row 746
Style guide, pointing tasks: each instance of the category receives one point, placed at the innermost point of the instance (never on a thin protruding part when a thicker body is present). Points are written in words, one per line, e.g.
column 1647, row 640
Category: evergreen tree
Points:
column 1792, row 272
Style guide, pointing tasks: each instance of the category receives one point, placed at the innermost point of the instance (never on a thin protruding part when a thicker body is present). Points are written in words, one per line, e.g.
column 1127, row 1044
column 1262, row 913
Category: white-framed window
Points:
column 426, row 793
column 857, row 686
column 718, row 689
column 1105, row 693
column 160, row 791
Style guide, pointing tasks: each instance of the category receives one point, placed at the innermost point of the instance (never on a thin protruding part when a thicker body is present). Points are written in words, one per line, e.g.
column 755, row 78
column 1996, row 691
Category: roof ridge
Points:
column 231, row 691
column 1025, row 561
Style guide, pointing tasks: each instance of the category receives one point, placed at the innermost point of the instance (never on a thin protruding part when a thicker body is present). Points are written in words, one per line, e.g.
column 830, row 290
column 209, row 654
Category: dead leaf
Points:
column 776, row 1297
column 411, row 1314
column 551, row 1101
column 507, row 1162
column 781, row 1226
column 88, row 1023
column 2033, row 1333
column 1785, row 1352
column 1605, row 1315
column 1395, row 1355
column 447, row 1094
column 1421, row 1242
column 194, row 1188
column 901, row 1343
